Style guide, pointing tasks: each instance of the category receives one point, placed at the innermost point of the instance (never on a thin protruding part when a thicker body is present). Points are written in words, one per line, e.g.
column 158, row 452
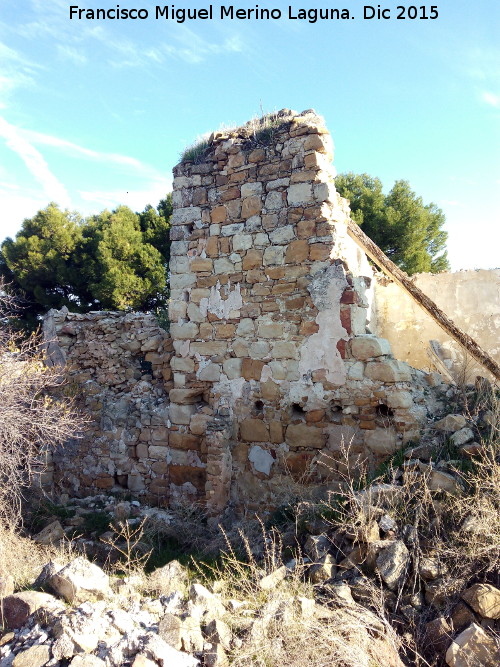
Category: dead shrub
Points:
column 32, row 417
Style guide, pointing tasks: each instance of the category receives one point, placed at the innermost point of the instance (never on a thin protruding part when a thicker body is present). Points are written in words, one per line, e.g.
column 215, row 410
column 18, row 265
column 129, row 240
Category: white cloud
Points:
column 70, row 148
column 35, row 162
column 135, row 199
column 17, row 204
column 491, row 99
column 70, row 53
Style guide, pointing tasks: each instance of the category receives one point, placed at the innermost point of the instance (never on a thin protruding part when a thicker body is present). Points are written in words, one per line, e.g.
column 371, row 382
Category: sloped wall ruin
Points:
column 471, row 298
column 270, row 372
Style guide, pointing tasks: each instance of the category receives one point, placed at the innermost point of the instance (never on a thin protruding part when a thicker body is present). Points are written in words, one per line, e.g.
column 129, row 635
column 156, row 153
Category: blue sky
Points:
column 96, row 113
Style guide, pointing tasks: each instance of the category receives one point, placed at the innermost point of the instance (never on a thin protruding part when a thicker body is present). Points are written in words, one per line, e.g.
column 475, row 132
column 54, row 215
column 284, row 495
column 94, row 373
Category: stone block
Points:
column 381, row 441
column 201, row 264
column 251, row 206
column 366, row 347
column 178, row 440
column 251, row 369
column 252, row 259
column 183, row 364
column 484, row 599
column 223, row 265
column 274, row 201
column 389, row 370
column 209, row 373
column 299, row 193
column 254, row 430
column 186, row 331
column 181, row 414
column 249, row 189
column 242, row 242
column 156, row 452
column 261, row 459
column 209, row 348
column 276, row 432
column 297, row 251
column 274, row 256
column 303, row 435
column 285, row 350
column 319, row 252
column 198, row 423
column 232, row 368
column 473, row 648
column 450, row 423
column 270, row 329
column 282, row 235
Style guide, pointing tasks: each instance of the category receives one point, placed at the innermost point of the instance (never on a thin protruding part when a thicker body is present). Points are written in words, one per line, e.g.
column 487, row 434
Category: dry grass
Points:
column 282, row 625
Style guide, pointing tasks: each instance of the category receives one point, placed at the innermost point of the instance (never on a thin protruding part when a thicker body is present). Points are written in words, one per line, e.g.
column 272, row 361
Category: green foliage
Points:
column 115, row 260
column 408, row 231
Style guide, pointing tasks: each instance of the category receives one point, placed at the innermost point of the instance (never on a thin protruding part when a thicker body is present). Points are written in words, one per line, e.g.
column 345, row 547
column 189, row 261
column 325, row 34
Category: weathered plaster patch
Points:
column 261, row 459
column 216, row 304
column 319, row 351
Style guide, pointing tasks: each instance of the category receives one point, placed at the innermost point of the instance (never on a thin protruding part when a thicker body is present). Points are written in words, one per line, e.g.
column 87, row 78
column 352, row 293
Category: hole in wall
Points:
column 384, row 410
column 259, row 406
column 297, row 410
column 145, row 366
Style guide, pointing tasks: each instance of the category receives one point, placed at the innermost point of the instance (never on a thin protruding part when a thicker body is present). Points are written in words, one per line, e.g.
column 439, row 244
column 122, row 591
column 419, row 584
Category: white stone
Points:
column 282, row 235
column 462, row 436
column 185, row 331
column 368, row 346
column 274, row 256
column 223, row 265
column 80, row 580
column 242, row 242
column 245, row 327
column 249, row 189
column 325, row 192
column 232, row 368
column 231, row 230
column 274, row 201
column 261, row 240
column 253, row 224
column 179, row 264
column 262, row 460
column 181, row 216
column 473, row 648
column 179, row 248
column 299, row 193
column 181, row 414
column 210, row 373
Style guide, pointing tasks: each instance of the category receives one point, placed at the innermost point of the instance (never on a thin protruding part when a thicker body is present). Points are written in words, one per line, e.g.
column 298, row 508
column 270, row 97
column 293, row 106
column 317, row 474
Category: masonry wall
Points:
column 268, row 378
column 470, row 298
column 118, row 366
column 274, row 373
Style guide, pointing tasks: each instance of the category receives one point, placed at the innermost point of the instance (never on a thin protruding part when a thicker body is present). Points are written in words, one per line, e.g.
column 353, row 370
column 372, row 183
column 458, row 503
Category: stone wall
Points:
column 470, row 298
column 119, row 366
column 270, row 378
column 273, row 370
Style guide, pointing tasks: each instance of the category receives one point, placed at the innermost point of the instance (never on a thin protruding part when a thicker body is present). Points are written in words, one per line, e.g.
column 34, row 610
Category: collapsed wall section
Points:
column 274, row 373
column 118, row 365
